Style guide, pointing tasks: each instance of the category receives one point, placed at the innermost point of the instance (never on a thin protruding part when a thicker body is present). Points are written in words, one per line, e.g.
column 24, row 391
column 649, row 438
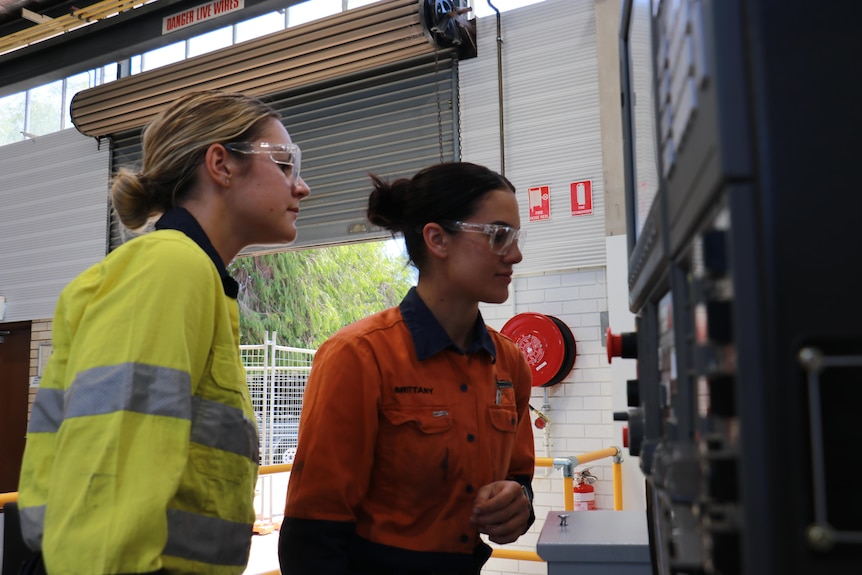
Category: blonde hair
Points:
column 175, row 143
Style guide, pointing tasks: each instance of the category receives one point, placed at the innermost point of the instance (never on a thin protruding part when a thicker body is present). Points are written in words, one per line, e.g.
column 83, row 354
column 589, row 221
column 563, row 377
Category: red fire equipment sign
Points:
column 582, row 197
column 540, row 203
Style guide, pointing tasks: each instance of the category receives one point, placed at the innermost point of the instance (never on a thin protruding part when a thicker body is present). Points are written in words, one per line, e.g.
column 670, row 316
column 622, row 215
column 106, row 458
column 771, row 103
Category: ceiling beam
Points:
column 110, row 40
column 33, row 17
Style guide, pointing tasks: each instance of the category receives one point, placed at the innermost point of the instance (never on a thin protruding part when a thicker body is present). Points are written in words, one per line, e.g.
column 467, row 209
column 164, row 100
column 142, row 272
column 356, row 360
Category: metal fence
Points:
column 276, row 376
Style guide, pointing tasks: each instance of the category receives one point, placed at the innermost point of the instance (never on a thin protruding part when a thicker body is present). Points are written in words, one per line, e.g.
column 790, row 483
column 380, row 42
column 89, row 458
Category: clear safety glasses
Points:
column 287, row 156
column 500, row 237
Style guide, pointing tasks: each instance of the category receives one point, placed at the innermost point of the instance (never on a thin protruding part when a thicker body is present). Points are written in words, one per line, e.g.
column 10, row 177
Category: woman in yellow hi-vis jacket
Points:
column 142, row 448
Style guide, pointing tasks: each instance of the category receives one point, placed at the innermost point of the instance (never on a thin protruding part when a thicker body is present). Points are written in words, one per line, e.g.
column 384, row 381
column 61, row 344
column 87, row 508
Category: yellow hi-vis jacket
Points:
column 142, row 451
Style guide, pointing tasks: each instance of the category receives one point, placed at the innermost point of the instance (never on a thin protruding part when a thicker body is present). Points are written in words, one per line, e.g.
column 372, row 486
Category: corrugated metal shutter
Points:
column 54, row 213
column 126, row 151
column 347, row 43
column 393, row 122
column 552, row 123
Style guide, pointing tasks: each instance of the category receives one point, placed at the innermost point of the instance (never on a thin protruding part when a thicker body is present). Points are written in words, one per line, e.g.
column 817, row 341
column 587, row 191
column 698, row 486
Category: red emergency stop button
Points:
column 621, row 345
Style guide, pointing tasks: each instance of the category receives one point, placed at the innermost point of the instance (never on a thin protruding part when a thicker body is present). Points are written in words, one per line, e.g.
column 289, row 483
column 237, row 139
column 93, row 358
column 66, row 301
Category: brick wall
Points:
column 580, row 407
column 40, row 347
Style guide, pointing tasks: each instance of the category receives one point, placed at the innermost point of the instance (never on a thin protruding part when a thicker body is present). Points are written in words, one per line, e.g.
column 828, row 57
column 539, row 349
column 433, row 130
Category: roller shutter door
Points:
column 391, row 121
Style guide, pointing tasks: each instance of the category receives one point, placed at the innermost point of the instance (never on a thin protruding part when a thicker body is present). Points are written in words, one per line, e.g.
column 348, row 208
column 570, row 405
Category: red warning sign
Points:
column 582, row 197
column 540, row 203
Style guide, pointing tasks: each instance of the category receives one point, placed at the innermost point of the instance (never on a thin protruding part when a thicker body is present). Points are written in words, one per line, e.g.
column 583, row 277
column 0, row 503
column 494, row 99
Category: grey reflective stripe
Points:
column 207, row 539
column 223, row 427
column 137, row 387
column 47, row 413
column 32, row 526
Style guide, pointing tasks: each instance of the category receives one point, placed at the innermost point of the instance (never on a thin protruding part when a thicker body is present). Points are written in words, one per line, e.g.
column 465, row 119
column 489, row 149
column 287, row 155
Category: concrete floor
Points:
column 269, row 505
column 264, row 555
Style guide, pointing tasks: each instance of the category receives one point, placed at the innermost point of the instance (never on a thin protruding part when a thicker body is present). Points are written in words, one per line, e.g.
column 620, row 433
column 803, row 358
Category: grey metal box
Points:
column 596, row 543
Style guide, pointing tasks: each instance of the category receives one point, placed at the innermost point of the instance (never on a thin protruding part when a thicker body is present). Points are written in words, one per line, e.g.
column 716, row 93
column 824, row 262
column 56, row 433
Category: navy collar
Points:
column 429, row 337
column 180, row 219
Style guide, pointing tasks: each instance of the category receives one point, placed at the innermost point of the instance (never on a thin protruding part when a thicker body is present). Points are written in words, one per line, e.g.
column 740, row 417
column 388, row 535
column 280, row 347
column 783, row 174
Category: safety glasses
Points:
column 287, row 156
column 500, row 237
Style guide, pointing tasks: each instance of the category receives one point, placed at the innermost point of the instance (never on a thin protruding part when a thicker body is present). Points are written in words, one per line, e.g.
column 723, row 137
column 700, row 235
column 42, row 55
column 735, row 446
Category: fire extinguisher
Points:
column 585, row 493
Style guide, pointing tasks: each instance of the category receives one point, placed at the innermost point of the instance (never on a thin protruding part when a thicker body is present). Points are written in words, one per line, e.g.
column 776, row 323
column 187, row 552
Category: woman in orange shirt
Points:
column 415, row 436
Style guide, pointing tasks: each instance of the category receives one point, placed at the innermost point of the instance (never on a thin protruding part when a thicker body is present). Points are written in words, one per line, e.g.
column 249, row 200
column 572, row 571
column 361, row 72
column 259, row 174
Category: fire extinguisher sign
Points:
column 582, row 197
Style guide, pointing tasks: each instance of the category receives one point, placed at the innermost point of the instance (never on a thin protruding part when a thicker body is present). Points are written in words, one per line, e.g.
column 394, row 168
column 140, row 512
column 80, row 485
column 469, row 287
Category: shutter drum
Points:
column 341, row 45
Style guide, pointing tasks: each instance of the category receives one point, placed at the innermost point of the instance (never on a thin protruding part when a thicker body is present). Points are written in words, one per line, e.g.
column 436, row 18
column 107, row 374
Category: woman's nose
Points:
column 514, row 254
column 300, row 188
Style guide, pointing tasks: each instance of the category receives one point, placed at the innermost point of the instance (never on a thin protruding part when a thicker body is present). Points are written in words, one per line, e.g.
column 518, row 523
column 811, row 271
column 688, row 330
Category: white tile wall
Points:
column 571, row 282
column 581, row 406
column 578, row 406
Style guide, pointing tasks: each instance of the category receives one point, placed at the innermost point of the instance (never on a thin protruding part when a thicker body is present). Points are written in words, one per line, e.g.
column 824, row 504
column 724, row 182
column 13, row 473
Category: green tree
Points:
column 305, row 296
column 45, row 114
column 12, row 118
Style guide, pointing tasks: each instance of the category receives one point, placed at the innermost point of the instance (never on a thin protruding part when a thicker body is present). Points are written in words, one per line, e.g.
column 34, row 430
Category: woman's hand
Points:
column 501, row 511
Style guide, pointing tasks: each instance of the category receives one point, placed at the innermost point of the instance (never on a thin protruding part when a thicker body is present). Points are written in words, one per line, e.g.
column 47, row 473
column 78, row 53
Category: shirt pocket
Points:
column 224, row 436
column 504, row 418
column 415, row 448
column 425, row 420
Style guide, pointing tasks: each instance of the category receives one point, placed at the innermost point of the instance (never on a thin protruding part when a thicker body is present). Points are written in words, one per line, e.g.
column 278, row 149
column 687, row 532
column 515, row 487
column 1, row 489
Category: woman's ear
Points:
column 436, row 239
column 218, row 165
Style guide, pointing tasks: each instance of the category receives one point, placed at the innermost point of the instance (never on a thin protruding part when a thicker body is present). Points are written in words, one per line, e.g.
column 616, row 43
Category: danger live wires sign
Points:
column 199, row 14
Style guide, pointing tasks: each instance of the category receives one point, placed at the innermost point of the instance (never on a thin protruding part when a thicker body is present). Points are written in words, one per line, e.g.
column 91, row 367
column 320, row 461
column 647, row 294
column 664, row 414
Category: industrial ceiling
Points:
column 46, row 40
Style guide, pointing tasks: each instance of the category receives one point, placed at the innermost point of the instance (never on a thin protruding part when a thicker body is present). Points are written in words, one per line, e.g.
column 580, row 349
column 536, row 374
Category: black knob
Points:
column 722, row 395
column 719, row 327
column 633, row 396
column 715, row 252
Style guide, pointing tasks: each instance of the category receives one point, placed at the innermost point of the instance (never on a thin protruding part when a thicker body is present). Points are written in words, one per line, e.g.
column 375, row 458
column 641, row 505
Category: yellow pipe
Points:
column 569, row 493
column 599, row 454
column 583, row 458
column 516, row 554
column 10, row 497
column 280, row 468
column 568, row 479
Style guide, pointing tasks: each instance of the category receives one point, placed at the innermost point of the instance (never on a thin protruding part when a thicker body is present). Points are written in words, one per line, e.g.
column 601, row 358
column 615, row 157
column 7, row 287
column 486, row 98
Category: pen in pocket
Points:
column 501, row 385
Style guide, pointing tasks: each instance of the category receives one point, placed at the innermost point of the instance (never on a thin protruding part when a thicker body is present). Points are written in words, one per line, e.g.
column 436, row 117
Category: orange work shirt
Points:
column 399, row 430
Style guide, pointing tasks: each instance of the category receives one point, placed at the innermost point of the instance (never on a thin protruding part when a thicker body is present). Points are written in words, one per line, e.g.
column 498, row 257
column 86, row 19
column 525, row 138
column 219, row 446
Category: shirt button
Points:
column 469, row 489
column 464, row 539
column 464, row 387
column 470, row 437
